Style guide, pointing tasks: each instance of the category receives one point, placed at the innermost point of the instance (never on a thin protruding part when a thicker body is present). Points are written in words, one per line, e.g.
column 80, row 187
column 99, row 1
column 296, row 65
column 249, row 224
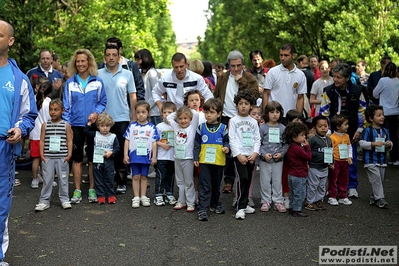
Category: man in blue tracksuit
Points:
column 17, row 115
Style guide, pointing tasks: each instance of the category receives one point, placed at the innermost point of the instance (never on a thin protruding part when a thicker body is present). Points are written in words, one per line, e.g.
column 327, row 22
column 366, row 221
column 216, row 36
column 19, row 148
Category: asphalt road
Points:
column 92, row 234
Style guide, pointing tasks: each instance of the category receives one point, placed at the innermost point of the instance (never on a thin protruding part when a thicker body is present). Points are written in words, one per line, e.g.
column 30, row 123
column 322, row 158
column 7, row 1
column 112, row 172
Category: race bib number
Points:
column 98, row 155
column 382, row 148
column 328, row 155
column 210, row 155
column 274, row 135
column 55, row 143
column 247, row 139
column 141, row 148
column 343, row 151
column 180, row 151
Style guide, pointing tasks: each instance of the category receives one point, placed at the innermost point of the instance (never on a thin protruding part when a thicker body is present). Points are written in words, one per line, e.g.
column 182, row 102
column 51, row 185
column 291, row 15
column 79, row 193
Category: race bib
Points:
column 328, row 155
column 55, row 143
column 98, row 155
column 142, row 148
column 180, row 151
column 343, row 151
column 247, row 139
column 382, row 148
column 274, row 135
column 210, row 155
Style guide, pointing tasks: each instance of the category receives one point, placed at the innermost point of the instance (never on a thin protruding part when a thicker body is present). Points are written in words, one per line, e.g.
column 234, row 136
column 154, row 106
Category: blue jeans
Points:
column 297, row 192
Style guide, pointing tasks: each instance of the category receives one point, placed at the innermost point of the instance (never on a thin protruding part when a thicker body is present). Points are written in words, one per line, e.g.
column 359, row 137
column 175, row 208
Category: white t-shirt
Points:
column 165, row 131
column 317, row 89
column 43, row 115
column 229, row 107
column 285, row 85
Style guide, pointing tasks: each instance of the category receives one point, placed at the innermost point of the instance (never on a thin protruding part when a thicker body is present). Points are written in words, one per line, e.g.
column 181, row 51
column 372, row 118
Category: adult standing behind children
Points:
column 18, row 100
column 84, row 99
column 119, row 83
column 178, row 82
column 228, row 85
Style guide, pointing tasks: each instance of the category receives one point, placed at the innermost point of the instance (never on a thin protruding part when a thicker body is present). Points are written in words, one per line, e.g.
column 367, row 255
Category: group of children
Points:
column 193, row 142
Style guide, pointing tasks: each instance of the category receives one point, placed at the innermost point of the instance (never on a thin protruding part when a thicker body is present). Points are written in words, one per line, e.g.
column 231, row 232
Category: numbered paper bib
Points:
column 142, row 148
column 247, row 139
column 171, row 138
column 98, row 156
column 328, row 155
column 382, row 148
column 343, row 151
column 180, row 151
column 55, row 143
column 210, row 155
column 274, row 135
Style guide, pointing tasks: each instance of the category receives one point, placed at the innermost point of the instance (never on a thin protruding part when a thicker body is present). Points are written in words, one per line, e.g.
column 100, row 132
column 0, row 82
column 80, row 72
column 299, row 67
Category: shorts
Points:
column 79, row 139
column 139, row 169
column 34, row 148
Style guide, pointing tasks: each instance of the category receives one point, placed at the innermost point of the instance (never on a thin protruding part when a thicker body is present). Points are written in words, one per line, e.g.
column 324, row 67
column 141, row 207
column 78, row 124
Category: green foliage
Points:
column 67, row 25
column 351, row 29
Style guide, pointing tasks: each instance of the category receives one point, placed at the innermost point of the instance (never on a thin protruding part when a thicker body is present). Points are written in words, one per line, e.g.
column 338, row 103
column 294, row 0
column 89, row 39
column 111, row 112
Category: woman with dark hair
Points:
column 150, row 75
column 208, row 73
column 387, row 90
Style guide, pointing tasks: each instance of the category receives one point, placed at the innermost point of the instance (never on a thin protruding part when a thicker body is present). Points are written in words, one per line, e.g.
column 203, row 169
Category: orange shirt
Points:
column 339, row 138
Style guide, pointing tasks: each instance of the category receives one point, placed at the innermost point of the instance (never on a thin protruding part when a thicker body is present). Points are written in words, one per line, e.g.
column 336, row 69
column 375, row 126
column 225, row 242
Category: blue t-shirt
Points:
column 6, row 98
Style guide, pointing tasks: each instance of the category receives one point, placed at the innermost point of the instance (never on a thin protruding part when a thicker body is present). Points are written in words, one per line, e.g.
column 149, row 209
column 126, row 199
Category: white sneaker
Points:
column 41, row 206
column 39, row 175
column 345, row 201
column 66, row 205
column 251, row 202
column 286, row 202
column 333, row 201
column 35, row 183
column 170, row 199
column 240, row 215
column 152, row 175
column 249, row 209
column 55, row 184
column 158, row 200
column 136, row 202
column 145, row 201
column 352, row 193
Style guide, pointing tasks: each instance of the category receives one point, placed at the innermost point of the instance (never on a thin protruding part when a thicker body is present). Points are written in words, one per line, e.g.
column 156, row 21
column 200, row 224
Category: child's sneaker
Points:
column 219, row 210
column 136, row 202
column 234, row 202
column 202, row 216
column 111, row 200
column 352, row 193
column 35, row 183
column 382, row 203
column 179, row 206
column 17, row 182
column 190, row 208
column 92, row 195
column 249, row 210
column 41, row 206
column 345, row 201
column 170, row 199
column 66, row 205
column 286, row 202
column 251, row 202
column 311, row 207
column 77, row 196
column 279, row 206
column 321, row 205
column 101, row 200
column 145, row 201
column 158, row 201
column 333, row 201
column 39, row 176
column 265, row 207
column 240, row 215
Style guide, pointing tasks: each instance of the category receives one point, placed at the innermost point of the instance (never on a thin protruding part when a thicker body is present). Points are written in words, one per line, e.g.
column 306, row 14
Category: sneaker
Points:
column 145, row 201
column 202, row 216
column 395, row 163
column 352, row 193
column 3, row 263
column 129, row 176
column 234, row 202
column 265, row 206
column 228, row 188
column 35, row 183
column 101, row 200
column 321, row 205
column 111, row 200
column 39, row 175
column 17, row 182
column 179, row 206
column 136, row 202
column 86, row 180
column 251, row 202
column 382, row 203
column 41, row 206
column 190, row 208
column 240, row 215
column 121, row 189
column 55, row 184
column 170, row 199
column 92, row 195
column 16, row 173
column 249, row 210
column 373, row 202
column 311, row 207
column 299, row 214
column 279, row 206
column 158, row 200
column 152, row 175
column 333, row 201
column 77, row 196
column 286, row 202
column 66, row 205
column 345, row 201
column 219, row 210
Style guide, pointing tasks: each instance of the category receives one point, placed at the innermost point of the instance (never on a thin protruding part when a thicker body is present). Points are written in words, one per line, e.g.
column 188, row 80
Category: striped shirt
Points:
column 55, row 140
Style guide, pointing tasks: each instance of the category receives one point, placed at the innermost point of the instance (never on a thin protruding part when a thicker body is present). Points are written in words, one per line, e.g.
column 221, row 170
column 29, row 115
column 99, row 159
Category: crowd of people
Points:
column 197, row 125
